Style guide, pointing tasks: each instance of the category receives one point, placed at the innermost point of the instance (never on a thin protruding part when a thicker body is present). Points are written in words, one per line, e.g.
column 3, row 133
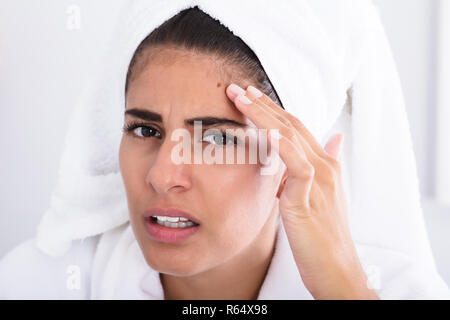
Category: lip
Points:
column 169, row 212
column 166, row 234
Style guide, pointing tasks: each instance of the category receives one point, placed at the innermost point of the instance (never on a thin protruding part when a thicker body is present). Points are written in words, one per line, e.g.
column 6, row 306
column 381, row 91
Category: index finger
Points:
column 269, row 103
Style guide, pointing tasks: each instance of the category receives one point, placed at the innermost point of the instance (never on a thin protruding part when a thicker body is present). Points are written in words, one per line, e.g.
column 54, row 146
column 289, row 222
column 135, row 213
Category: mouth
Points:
column 172, row 215
column 172, row 222
column 170, row 225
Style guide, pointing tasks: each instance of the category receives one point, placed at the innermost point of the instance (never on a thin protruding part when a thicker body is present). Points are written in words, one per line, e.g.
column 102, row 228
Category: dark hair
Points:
column 195, row 30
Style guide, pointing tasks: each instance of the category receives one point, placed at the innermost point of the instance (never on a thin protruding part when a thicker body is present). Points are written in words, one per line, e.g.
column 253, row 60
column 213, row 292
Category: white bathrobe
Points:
column 332, row 67
column 111, row 266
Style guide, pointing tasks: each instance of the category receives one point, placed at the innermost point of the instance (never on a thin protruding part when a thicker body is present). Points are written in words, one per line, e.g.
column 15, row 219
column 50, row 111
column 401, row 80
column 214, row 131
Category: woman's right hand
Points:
column 312, row 202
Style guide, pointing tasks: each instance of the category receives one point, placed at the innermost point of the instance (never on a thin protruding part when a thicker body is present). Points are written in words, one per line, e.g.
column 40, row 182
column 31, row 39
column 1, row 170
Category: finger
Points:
column 308, row 188
column 233, row 90
column 300, row 175
column 333, row 146
column 325, row 165
column 256, row 97
column 290, row 151
column 269, row 103
column 324, row 172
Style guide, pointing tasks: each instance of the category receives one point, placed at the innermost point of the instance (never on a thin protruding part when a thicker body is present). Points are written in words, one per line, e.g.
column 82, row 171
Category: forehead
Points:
column 186, row 82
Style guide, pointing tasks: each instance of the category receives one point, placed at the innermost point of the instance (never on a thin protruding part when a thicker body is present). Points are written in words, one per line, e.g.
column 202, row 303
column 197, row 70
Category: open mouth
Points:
column 173, row 223
column 161, row 229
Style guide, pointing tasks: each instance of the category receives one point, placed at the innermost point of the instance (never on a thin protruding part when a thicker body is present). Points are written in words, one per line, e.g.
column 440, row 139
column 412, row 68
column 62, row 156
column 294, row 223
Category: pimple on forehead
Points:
column 219, row 84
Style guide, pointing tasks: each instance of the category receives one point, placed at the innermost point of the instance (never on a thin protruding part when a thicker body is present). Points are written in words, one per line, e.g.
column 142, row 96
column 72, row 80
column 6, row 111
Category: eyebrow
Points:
column 206, row 121
column 144, row 114
column 211, row 121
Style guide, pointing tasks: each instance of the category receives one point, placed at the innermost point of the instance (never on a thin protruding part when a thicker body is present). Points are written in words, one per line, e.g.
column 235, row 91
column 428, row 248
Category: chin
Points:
column 177, row 266
column 175, row 270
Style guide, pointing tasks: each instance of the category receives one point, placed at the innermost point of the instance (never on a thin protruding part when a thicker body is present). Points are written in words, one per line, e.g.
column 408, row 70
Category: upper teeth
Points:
column 170, row 219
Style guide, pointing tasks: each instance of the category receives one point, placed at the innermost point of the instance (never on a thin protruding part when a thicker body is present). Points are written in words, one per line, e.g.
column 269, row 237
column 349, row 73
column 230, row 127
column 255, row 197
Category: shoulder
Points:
column 28, row 273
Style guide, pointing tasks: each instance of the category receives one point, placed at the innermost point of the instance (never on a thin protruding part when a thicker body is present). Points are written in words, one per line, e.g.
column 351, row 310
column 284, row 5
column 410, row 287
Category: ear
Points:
column 282, row 184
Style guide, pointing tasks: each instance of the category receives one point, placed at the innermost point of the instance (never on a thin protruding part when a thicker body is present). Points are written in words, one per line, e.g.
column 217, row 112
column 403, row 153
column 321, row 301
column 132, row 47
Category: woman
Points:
column 236, row 239
column 210, row 231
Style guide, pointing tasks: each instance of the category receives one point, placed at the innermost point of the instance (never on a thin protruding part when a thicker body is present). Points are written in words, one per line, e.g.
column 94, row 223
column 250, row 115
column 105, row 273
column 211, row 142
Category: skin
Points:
column 312, row 203
column 230, row 254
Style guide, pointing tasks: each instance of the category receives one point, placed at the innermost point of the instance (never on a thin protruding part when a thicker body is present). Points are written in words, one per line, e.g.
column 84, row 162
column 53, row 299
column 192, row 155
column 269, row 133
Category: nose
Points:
column 166, row 176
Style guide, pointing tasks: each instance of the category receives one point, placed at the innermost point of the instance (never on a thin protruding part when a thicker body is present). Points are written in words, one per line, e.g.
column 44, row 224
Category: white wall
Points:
column 43, row 65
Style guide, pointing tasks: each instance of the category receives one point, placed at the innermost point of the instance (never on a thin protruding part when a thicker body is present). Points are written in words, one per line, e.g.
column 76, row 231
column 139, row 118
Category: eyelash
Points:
column 226, row 136
column 130, row 127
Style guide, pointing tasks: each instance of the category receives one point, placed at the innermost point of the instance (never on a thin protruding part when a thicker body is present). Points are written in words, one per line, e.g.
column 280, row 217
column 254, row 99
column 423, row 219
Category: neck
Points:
column 240, row 278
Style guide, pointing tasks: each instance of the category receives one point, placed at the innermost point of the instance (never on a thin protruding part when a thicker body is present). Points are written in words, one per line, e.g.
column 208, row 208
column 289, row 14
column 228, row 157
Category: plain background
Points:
column 44, row 64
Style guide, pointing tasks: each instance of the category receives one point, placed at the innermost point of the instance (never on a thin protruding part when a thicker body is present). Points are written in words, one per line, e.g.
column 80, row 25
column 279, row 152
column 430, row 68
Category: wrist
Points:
column 345, row 284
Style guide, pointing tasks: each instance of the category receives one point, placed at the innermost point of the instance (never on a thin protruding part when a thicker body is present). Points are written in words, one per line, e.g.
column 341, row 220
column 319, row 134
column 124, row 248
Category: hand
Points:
column 312, row 202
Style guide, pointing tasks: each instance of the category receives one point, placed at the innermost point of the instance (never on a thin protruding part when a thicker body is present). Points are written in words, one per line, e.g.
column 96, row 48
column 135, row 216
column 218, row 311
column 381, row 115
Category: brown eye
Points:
column 146, row 132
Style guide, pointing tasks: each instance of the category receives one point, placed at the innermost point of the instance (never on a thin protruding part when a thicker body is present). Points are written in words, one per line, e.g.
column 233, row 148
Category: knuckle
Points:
column 335, row 164
column 328, row 172
column 331, row 161
column 294, row 212
column 309, row 171
column 288, row 133
column 332, row 187
column 298, row 123
column 284, row 121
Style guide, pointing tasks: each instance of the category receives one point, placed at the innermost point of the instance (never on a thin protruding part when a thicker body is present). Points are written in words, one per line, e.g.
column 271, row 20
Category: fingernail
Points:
column 236, row 90
column 244, row 99
column 255, row 92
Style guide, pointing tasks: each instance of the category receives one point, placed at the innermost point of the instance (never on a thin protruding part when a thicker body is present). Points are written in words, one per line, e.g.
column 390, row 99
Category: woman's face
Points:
column 232, row 202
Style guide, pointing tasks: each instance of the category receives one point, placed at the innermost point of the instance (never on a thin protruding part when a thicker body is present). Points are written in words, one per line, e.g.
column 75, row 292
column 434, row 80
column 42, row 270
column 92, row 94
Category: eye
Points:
column 220, row 138
column 146, row 132
column 142, row 131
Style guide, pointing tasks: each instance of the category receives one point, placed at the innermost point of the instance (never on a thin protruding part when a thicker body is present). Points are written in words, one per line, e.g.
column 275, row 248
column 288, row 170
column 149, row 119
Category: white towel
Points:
column 317, row 54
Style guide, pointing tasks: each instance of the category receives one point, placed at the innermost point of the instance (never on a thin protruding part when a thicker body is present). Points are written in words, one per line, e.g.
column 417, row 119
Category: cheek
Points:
column 240, row 200
column 126, row 161
column 133, row 168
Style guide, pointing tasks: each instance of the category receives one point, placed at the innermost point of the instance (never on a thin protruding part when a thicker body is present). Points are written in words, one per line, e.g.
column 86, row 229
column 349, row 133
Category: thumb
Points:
column 333, row 146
